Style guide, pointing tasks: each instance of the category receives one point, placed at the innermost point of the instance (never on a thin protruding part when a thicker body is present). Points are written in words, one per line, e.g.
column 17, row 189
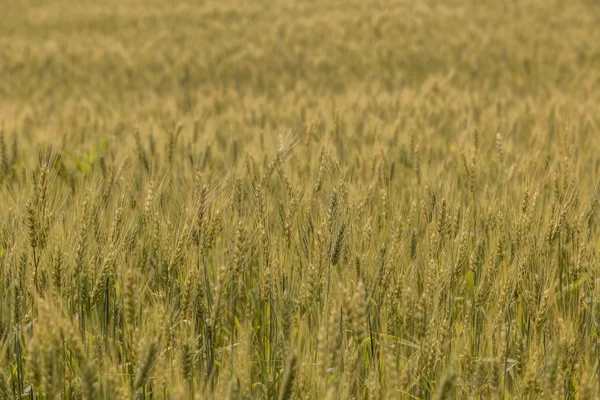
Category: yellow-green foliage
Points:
column 299, row 199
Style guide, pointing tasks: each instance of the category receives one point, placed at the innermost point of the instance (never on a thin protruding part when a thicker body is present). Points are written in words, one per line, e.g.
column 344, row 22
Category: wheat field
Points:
column 300, row 199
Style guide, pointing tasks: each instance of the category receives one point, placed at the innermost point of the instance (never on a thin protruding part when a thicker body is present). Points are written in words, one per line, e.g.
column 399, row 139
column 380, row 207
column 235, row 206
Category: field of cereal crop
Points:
column 302, row 199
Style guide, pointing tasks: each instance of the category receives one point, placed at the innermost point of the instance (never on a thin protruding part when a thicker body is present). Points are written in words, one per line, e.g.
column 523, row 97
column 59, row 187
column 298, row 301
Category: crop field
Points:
column 302, row 199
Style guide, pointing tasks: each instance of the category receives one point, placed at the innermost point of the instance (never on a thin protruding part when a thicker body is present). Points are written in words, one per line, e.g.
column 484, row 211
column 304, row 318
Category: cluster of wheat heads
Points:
column 301, row 275
column 405, row 209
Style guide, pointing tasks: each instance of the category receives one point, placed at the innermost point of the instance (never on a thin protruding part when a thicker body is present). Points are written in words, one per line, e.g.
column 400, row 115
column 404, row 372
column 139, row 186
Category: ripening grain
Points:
column 300, row 199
